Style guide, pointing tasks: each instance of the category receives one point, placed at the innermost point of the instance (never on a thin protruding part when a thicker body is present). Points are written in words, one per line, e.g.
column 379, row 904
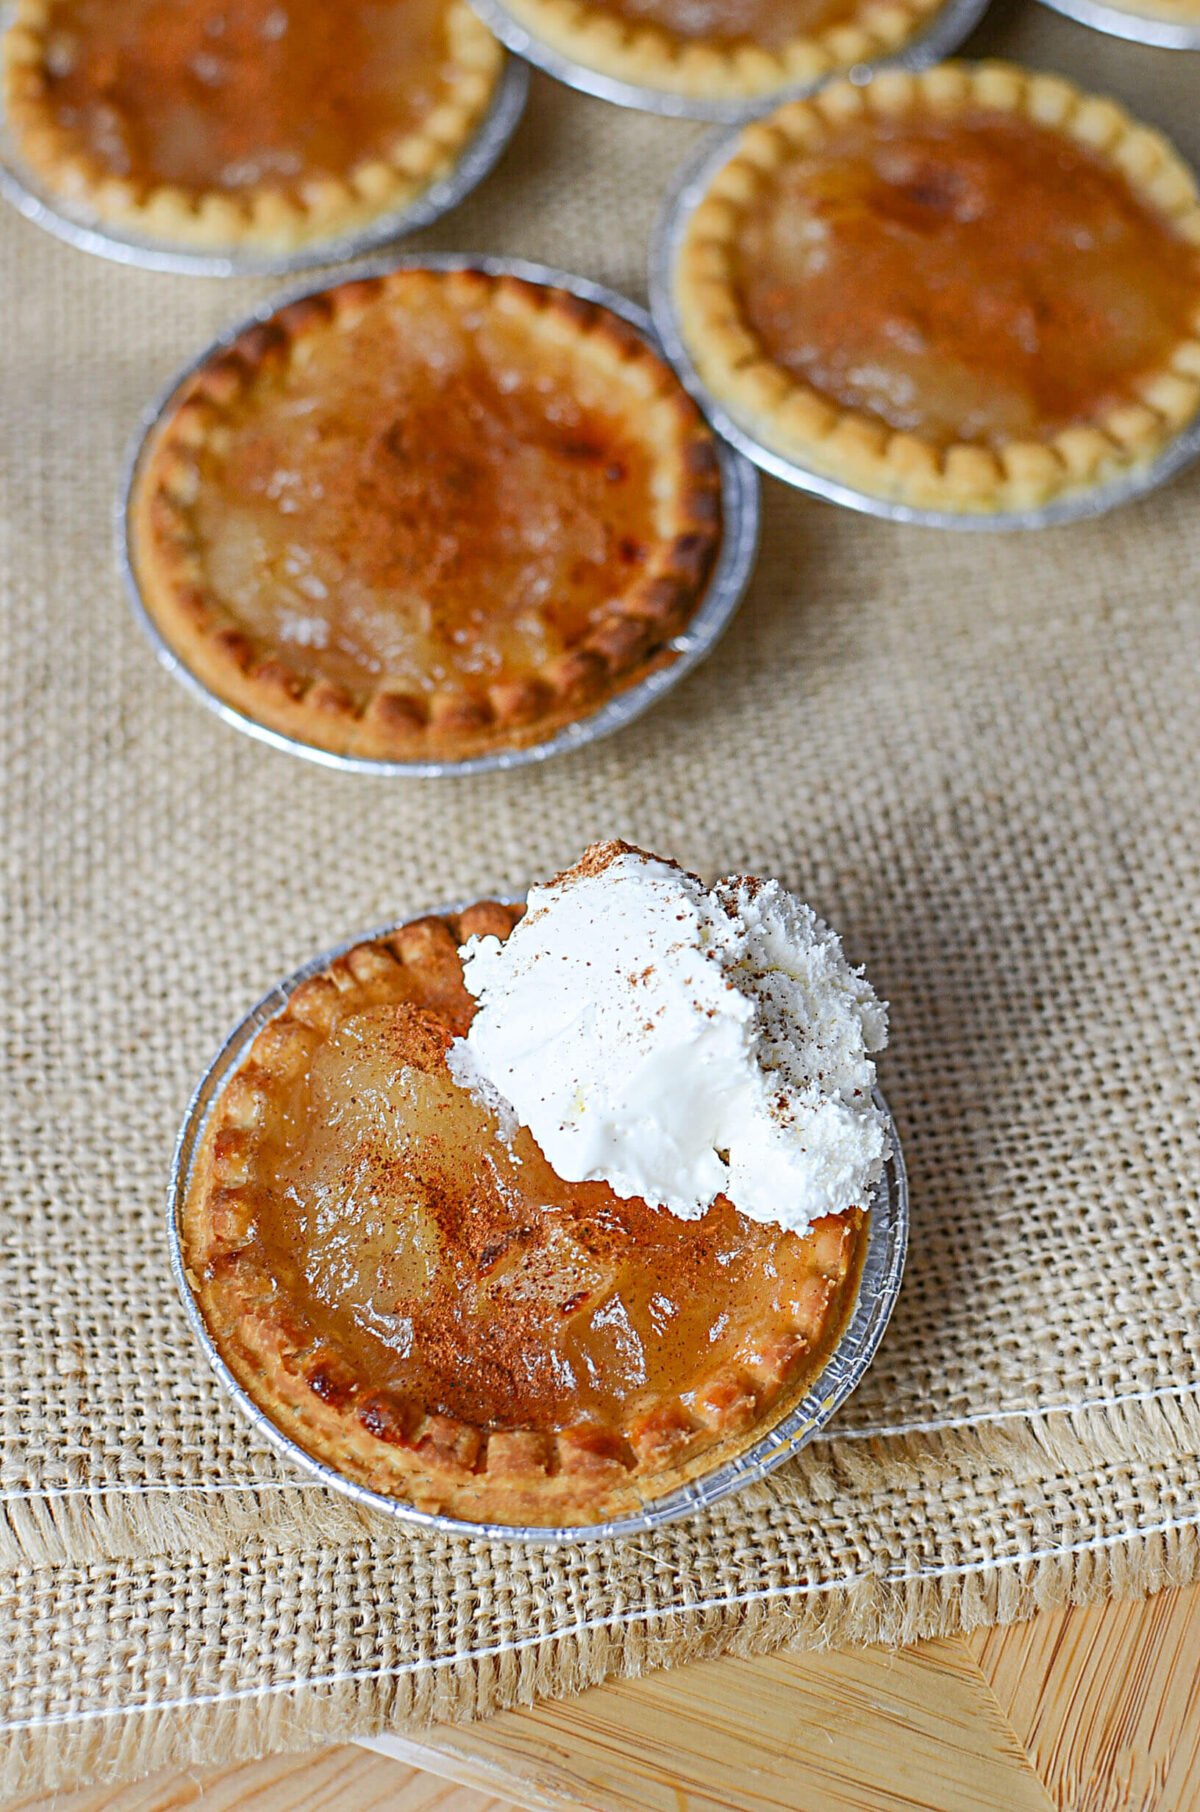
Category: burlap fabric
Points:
column 976, row 755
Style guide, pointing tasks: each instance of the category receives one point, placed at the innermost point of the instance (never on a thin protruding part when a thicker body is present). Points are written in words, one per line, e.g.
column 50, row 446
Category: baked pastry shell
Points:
column 1139, row 27
column 878, row 1287
column 685, row 193
column 476, row 160
column 734, row 564
column 944, row 34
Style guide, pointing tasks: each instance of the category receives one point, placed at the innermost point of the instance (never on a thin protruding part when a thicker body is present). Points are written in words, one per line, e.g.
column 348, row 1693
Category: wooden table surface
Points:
column 1076, row 1711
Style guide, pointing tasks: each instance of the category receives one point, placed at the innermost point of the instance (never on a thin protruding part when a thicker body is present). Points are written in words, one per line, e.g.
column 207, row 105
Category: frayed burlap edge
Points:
column 134, row 1742
column 86, row 1527
column 113, row 1743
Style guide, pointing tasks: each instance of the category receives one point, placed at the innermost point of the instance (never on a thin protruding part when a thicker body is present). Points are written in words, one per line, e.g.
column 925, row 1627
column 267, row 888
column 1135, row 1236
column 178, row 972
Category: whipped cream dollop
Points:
column 680, row 1042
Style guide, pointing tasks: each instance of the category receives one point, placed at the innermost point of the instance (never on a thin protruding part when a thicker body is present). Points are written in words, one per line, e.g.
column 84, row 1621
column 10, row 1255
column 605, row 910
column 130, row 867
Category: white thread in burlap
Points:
column 976, row 756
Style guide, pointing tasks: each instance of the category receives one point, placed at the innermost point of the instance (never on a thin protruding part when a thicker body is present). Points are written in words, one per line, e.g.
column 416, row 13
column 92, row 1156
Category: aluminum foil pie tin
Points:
column 687, row 190
column 945, row 33
column 1165, row 34
column 883, row 1265
column 79, row 228
column 740, row 510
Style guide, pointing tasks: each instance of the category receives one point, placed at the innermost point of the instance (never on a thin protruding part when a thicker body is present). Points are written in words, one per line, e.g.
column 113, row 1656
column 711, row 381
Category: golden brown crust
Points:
column 649, row 607
column 274, row 216
column 788, row 416
column 651, row 56
column 583, row 1472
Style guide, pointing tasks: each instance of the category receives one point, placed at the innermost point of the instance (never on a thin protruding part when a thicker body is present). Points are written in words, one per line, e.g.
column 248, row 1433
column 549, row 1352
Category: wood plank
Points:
column 341, row 1779
column 864, row 1730
column 1107, row 1701
column 1094, row 1710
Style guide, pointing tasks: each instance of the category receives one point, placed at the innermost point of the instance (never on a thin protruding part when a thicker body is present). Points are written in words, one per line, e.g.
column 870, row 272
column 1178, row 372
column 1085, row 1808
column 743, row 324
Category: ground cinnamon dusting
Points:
column 468, row 1278
column 598, row 858
column 923, row 298
column 228, row 97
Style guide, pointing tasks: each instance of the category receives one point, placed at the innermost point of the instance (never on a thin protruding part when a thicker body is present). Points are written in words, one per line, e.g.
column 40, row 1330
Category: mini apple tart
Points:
column 426, row 516
column 260, row 126
column 431, row 1311
column 975, row 289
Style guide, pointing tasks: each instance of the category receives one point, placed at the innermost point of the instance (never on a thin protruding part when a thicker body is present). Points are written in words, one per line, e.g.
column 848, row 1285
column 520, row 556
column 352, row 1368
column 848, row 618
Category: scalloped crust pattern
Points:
column 650, row 55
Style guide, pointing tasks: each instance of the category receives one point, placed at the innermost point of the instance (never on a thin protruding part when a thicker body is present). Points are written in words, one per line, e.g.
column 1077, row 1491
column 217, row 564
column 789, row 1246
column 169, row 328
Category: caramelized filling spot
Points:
column 245, row 94
column 978, row 278
column 428, row 497
column 453, row 1271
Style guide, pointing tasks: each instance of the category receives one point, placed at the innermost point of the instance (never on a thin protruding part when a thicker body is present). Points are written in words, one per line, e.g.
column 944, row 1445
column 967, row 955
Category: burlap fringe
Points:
column 126, row 1743
column 81, row 1528
column 136, row 1742
column 1071, row 1441
column 85, row 1527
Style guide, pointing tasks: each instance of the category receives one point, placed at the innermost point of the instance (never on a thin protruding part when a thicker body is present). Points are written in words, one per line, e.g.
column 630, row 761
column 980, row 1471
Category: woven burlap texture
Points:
column 976, row 755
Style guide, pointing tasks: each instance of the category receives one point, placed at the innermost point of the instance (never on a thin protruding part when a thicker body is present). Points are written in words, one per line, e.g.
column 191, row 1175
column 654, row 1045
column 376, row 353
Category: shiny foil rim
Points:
column 1139, row 28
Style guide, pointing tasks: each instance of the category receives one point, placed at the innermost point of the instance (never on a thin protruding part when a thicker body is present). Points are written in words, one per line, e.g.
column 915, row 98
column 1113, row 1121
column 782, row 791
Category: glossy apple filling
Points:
column 973, row 278
column 457, row 1272
column 426, row 499
column 232, row 96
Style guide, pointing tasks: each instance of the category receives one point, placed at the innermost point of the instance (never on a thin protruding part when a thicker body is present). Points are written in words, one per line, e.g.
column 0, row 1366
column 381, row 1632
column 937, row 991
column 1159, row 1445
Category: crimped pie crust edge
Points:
column 649, row 56
column 439, row 1464
column 267, row 218
column 454, row 723
column 788, row 417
